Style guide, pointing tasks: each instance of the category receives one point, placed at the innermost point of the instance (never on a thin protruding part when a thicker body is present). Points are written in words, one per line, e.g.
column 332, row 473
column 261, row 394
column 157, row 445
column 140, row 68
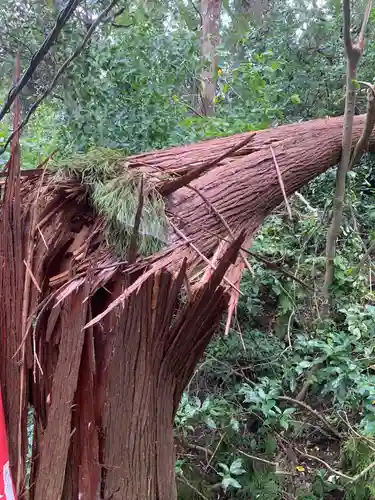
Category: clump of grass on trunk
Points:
column 114, row 193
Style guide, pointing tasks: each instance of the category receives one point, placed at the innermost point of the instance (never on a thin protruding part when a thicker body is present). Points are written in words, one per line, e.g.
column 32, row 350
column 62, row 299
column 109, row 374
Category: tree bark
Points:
column 210, row 39
column 244, row 187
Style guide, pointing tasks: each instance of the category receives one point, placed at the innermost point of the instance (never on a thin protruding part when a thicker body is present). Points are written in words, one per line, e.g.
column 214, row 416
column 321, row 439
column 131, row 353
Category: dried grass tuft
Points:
column 113, row 190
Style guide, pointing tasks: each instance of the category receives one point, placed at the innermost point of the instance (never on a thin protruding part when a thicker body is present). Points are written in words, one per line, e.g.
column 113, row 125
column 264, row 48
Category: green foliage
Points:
column 229, row 474
column 357, row 455
column 137, row 84
column 211, row 412
column 135, row 88
column 123, row 95
column 37, row 142
column 265, row 403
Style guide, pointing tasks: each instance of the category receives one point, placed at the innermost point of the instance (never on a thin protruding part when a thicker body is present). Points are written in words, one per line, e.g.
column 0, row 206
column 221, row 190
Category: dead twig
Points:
column 326, row 465
column 197, row 492
column 225, row 224
column 39, row 55
column 192, row 446
column 201, row 255
column 305, row 406
column 193, row 110
column 60, row 71
column 167, row 188
column 268, row 462
column 369, row 442
column 215, row 450
column 352, row 480
column 267, row 263
column 288, row 330
column 306, row 203
column 281, row 182
column 258, row 459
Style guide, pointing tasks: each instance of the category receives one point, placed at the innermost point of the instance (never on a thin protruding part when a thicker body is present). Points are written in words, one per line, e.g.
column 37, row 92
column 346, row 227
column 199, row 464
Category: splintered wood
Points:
column 101, row 348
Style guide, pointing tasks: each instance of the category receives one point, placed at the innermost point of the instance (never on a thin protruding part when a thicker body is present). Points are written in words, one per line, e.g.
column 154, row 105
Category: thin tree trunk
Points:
column 339, row 200
column 210, row 39
column 353, row 53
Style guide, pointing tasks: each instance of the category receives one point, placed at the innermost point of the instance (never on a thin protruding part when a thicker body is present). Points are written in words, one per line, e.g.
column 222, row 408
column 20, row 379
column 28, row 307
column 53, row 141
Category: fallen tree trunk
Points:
column 109, row 345
column 244, row 187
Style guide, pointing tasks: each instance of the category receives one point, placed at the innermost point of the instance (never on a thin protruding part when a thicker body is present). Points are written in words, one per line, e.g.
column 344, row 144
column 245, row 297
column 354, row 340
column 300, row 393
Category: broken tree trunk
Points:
column 109, row 345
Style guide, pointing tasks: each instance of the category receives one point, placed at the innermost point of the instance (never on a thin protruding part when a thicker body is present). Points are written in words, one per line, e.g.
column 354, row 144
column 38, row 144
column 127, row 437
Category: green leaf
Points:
column 224, row 467
column 236, row 467
column 206, row 403
column 304, row 364
column 230, row 481
column 284, row 423
column 289, row 411
column 234, row 424
column 295, row 99
column 210, row 422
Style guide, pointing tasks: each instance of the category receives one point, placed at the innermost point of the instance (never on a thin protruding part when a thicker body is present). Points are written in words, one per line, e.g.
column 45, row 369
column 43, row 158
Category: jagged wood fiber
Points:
column 109, row 345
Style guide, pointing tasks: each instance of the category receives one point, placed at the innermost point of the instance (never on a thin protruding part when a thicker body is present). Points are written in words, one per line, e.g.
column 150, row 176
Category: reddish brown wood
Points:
column 105, row 401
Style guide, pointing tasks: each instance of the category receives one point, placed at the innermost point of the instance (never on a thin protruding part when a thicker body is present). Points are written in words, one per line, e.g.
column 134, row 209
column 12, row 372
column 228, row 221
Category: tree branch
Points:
column 327, row 466
column 281, row 182
column 318, row 415
column 347, row 36
column 37, row 58
column 362, row 143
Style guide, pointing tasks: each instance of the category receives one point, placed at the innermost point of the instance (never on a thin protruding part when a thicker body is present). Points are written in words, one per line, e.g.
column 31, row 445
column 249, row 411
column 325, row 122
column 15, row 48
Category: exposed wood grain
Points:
column 117, row 342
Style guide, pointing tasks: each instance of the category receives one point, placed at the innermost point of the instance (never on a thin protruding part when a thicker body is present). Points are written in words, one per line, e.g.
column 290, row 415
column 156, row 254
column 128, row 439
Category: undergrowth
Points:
column 284, row 407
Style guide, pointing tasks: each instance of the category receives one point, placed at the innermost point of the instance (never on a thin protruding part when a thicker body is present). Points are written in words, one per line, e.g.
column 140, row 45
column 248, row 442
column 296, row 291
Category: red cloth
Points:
column 7, row 490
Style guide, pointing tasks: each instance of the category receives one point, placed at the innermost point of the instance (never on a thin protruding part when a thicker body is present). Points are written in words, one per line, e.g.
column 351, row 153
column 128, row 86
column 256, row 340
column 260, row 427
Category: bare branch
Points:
column 198, row 12
column 281, row 182
column 258, row 459
column 353, row 55
column 327, row 466
column 336, row 472
column 318, row 415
